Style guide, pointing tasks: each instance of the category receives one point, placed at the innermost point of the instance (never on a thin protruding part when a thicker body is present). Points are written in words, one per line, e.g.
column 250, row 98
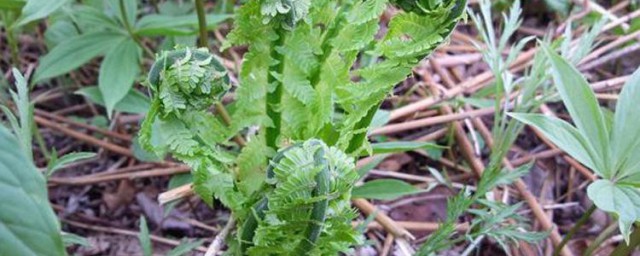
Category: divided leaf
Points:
column 38, row 9
column 565, row 136
column 74, row 52
column 584, row 109
column 625, row 135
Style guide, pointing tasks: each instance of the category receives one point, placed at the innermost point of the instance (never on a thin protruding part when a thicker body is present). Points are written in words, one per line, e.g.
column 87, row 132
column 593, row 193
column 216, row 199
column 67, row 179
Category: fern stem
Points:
column 226, row 118
column 274, row 96
column 127, row 25
column 601, row 237
column 203, row 42
column 627, row 249
column 585, row 217
column 202, row 24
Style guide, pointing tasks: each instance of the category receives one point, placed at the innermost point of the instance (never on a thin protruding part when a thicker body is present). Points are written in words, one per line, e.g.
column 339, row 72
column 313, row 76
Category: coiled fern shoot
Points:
column 302, row 83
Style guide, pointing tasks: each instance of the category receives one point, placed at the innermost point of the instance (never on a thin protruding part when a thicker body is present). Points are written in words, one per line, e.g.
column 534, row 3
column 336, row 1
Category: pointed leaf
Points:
column 565, row 136
column 28, row 226
column 74, row 52
column 384, row 189
column 118, row 72
column 66, row 160
column 184, row 248
column 143, row 237
column 583, row 107
column 625, row 136
column 400, row 146
column 38, row 9
column 133, row 102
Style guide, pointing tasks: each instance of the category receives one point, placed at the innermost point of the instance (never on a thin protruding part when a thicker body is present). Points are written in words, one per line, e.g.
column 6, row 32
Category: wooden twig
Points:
column 84, row 137
column 218, row 241
column 120, row 176
column 127, row 233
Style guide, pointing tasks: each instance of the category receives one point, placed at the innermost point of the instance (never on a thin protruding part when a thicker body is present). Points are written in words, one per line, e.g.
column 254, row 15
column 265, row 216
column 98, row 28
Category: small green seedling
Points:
column 611, row 150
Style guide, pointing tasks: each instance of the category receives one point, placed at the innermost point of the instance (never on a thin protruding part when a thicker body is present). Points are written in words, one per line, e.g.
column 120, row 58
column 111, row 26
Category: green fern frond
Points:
column 307, row 203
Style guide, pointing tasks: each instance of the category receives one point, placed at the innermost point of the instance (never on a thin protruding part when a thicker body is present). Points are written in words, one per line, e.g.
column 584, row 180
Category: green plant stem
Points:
column 598, row 241
column 585, row 217
column 226, row 118
column 203, row 42
column 274, row 96
column 202, row 24
column 127, row 25
column 13, row 45
column 624, row 249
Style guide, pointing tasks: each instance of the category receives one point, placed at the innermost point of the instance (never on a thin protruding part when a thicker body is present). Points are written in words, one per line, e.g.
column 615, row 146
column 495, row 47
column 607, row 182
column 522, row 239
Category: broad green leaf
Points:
column 144, row 238
column 133, row 102
column 184, row 248
column 384, row 189
column 38, row 9
column 118, row 72
column 565, row 136
column 11, row 4
column 623, row 200
column 59, row 32
column 91, row 19
column 130, row 7
column 28, row 226
column 583, row 107
column 625, row 136
column 59, row 163
column 74, row 52
column 167, row 25
column 400, row 146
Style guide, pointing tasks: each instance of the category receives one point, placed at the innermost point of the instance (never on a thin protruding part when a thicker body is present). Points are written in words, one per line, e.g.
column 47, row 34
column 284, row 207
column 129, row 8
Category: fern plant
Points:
column 301, row 83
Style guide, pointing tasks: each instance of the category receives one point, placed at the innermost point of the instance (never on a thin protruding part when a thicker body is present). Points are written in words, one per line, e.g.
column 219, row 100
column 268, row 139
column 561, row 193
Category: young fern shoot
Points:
column 302, row 85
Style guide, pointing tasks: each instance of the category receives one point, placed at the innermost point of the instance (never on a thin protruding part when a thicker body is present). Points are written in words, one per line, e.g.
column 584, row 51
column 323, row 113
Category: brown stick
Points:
column 59, row 118
column 120, row 176
column 83, row 137
column 127, row 233
column 389, row 224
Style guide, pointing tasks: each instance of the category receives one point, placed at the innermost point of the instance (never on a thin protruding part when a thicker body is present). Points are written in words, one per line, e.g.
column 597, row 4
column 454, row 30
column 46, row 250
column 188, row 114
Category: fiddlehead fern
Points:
column 305, row 209
column 184, row 84
column 188, row 80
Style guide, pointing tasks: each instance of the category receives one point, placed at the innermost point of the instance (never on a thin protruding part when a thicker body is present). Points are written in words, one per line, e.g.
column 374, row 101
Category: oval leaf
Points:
column 38, row 9
column 401, row 146
column 118, row 72
column 28, row 226
column 384, row 189
column 133, row 102
column 74, row 52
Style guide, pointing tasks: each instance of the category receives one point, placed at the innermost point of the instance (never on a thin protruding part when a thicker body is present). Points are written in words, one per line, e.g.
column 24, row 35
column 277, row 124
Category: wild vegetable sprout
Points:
column 301, row 83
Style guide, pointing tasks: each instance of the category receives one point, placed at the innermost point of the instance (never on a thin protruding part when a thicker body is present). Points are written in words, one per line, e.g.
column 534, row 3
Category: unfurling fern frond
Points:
column 306, row 201
column 184, row 84
column 188, row 80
